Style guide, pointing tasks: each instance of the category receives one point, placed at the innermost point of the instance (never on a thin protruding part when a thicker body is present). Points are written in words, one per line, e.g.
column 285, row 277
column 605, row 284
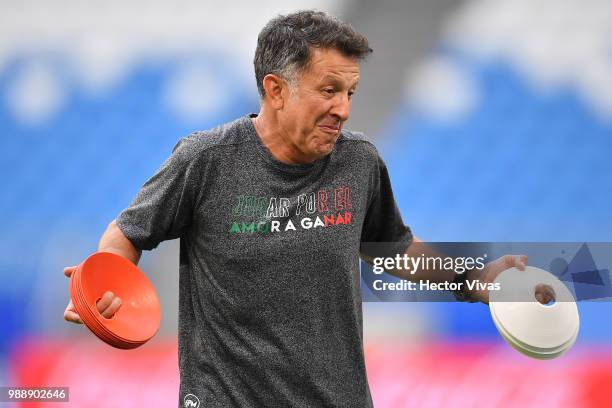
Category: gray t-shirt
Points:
column 270, row 302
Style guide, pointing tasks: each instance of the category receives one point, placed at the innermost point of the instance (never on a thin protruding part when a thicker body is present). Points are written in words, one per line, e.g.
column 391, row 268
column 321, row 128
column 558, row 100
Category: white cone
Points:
column 536, row 330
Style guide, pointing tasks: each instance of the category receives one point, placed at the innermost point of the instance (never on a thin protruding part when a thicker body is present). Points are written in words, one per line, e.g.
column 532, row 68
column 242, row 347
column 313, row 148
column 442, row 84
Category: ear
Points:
column 276, row 90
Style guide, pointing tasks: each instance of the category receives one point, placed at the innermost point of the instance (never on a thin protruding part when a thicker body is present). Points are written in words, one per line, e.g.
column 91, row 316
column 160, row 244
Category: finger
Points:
column 105, row 301
column 112, row 309
column 69, row 270
column 544, row 294
column 521, row 262
column 543, row 298
column 508, row 261
column 71, row 315
column 518, row 261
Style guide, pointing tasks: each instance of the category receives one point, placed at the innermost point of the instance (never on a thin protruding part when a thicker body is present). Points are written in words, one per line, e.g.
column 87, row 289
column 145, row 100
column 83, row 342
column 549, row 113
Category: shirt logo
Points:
column 191, row 401
column 264, row 215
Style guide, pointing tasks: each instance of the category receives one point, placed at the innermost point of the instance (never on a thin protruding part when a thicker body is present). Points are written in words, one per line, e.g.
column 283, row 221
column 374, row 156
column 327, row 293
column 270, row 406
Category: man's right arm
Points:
column 161, row 211
column 113, row 240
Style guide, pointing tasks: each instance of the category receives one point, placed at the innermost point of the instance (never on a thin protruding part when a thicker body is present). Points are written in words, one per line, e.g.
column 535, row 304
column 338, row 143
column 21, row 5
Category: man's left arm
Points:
column 491, row 270
column 384, row 224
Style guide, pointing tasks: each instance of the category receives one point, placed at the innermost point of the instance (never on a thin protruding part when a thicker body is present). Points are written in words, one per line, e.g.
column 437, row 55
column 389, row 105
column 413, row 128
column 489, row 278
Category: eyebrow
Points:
column 336, row 81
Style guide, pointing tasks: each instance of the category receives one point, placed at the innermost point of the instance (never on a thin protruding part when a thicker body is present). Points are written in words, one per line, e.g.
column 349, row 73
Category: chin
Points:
column 322, row 146
column 325, row 149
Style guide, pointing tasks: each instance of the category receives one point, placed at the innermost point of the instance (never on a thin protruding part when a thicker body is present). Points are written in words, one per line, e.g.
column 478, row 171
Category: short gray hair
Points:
column 284, row 44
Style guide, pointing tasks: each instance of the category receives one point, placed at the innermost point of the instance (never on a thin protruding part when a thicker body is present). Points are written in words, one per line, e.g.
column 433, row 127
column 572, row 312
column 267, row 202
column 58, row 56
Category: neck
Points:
column 276, row 138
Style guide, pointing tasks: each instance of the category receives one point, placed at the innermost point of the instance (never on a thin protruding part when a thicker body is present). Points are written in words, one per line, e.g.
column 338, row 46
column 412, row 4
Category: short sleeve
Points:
column 164, row 206
column 383, row 222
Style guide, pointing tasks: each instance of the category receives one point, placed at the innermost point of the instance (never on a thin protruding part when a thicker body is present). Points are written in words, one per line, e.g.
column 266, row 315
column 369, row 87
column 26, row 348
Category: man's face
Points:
column 320, row 103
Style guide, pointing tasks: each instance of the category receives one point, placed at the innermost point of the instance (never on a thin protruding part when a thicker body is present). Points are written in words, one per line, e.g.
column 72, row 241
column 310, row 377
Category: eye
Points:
column 329, row 91
column 350, row 94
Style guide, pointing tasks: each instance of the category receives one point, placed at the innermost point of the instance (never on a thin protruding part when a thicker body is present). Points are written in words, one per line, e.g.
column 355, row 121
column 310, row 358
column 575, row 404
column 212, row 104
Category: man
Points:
column 272, row 210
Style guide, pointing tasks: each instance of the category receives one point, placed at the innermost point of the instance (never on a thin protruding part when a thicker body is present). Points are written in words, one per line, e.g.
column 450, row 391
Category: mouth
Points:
column 330, row 128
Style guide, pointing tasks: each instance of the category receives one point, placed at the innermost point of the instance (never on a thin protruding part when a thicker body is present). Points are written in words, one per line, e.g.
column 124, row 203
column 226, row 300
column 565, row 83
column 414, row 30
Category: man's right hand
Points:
column 107, row 305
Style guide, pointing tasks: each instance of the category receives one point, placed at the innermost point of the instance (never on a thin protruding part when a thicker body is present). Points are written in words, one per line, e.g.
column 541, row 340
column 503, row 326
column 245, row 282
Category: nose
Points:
column 342, row 107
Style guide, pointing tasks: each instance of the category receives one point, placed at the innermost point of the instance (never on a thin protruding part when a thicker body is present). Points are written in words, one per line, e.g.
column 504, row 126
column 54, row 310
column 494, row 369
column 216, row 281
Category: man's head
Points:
column 307, row 68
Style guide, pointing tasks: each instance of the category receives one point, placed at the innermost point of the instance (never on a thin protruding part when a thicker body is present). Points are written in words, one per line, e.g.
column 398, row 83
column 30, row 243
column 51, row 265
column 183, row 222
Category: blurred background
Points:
column 494, row 117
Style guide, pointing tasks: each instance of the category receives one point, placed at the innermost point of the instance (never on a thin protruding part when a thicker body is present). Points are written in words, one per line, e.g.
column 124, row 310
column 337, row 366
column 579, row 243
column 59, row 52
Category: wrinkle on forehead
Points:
column 331, row 63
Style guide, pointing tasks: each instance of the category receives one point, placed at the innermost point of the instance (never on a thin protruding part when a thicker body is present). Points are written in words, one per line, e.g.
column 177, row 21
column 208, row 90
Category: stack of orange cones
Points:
column 137, row 319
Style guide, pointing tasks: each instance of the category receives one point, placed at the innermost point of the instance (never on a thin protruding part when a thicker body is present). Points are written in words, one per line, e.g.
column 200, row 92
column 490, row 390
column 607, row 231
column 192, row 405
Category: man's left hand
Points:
column 491, row 271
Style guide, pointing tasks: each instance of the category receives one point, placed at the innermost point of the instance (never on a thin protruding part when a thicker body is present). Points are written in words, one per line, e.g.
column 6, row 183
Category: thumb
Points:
column 69, row 270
